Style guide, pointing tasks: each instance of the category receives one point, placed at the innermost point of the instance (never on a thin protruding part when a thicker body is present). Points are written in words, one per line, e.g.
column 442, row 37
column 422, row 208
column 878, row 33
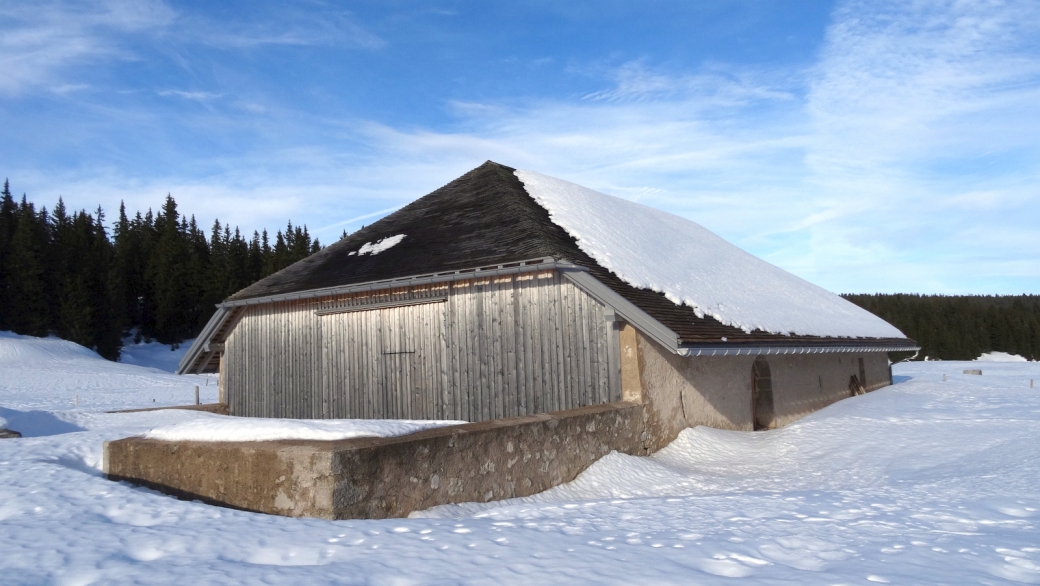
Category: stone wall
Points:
column 384, row 477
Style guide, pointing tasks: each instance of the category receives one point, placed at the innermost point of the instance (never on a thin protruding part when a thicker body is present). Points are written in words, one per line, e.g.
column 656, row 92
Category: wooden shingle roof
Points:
column 485, row 218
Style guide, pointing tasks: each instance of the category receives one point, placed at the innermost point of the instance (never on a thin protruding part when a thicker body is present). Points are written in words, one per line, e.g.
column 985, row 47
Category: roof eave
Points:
column 863, row 347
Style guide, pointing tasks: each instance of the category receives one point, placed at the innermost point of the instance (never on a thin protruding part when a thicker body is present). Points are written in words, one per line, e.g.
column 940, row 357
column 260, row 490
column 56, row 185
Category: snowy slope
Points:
column 652, row 249
column 49, row 373
column 153, row 354
column 926, row 482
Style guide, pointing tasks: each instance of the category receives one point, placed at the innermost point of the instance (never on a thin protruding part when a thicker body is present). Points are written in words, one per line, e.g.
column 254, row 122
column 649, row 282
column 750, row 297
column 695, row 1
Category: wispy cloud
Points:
column 903, row 158
column 43, row 44
column 868, row 170
column 196, row 95
column 635, row 81
column 328, row 29
column 40, row 40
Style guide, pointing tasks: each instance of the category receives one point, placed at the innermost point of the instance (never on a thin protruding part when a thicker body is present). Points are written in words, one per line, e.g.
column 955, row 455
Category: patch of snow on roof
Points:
column 652, row 249
column 384, row 244
column 219, row 428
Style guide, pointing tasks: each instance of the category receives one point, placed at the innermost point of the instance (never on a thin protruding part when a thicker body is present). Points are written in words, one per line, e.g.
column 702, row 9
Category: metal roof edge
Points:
column 780, row 350
column 628, row 311
column 202, row 340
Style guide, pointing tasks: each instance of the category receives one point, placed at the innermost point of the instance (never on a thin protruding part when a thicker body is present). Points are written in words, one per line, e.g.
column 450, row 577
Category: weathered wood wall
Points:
column 473, row 350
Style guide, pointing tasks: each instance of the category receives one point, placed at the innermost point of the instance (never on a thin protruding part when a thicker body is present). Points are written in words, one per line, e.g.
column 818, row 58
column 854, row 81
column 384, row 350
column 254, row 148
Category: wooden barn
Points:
column 508, row 293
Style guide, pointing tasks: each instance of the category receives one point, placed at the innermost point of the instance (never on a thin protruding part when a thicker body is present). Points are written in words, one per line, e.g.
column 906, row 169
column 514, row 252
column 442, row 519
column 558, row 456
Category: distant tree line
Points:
column 158, row 274
column 961, row 327
column 65, row 273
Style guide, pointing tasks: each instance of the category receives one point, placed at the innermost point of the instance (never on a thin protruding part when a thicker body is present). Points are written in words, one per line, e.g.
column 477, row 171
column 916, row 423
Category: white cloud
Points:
column 336, row 29
column 44, row 44
column 879, row 178
column 718, row 86
column 41, row 40
column 905, row 158
column 198, row 96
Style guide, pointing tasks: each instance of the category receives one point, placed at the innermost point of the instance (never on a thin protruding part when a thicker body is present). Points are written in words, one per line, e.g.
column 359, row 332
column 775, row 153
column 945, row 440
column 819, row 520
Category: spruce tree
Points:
column 60, row 272
column 168, row 273
column 8, row 222
column 28, row 299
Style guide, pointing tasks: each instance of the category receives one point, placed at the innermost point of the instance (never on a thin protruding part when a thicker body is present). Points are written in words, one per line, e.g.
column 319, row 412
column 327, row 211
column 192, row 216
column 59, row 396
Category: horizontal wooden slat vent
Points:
column 382, row 305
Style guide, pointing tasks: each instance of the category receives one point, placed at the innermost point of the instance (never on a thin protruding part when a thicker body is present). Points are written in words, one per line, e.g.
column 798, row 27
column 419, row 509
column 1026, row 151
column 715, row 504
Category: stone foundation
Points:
column 376, row 478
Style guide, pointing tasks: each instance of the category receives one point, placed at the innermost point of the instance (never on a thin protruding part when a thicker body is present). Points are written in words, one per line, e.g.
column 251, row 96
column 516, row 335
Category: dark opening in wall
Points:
column 762, row 395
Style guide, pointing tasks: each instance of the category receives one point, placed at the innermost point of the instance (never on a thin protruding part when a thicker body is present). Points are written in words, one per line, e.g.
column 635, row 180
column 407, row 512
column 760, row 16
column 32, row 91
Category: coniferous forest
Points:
column 961, row 327
column 158, row 274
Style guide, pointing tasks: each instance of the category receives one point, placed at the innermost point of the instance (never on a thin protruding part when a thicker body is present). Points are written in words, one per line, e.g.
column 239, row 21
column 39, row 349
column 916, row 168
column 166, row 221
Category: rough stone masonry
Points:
column 377, row 478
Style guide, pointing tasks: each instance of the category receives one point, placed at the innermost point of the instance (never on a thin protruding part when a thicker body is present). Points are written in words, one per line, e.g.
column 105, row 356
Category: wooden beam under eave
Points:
column 631, row 377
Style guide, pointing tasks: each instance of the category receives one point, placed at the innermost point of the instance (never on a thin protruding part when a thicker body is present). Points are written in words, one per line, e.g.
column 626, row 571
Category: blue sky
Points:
column 864, row 145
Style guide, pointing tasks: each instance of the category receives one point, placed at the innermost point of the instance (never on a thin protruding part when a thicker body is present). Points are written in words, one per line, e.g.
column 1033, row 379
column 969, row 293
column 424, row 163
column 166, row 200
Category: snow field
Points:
column 49, row 374
column 651, row 249
column 153, row 354
column 925, row 482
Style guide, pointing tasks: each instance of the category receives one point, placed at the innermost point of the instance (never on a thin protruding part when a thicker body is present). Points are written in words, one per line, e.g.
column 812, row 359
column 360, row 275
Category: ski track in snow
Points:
column 925, row 482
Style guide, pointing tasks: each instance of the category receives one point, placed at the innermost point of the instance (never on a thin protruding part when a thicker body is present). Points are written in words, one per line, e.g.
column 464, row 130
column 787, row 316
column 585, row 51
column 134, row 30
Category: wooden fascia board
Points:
column 199, row 346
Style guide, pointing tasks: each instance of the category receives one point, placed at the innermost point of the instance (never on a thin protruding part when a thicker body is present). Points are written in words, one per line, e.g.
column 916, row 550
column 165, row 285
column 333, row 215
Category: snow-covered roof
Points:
column 684, row 286
column 652, row 249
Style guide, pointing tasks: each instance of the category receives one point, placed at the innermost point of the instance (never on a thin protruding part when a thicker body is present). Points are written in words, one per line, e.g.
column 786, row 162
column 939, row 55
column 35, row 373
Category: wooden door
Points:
column 384, row 363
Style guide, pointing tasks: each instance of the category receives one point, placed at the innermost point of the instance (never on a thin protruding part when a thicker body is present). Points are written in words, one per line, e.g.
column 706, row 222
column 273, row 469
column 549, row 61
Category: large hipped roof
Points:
column 496, row 215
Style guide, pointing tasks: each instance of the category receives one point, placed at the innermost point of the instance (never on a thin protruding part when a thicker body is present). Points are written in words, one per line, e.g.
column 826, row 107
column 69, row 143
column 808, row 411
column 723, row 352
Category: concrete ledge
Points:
column 374, row 478
column 218, row 408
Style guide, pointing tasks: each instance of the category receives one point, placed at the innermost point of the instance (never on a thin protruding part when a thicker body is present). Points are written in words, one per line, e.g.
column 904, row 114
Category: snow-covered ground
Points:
column 49, row 374
column 153, row 354
column 925, row 482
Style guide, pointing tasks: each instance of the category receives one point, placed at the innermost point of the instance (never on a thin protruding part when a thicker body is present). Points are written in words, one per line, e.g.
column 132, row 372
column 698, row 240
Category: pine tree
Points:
column 108, row 325
column 60, row 272
column 267, row 253
column 121, row 269
column 256, row 259
column 27, row 299
column 8, row 222
column 280, row 254
column 168, row 273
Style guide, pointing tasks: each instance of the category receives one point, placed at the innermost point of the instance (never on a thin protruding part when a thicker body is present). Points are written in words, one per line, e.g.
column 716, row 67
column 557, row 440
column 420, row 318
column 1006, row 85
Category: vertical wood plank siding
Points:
column 474, row 350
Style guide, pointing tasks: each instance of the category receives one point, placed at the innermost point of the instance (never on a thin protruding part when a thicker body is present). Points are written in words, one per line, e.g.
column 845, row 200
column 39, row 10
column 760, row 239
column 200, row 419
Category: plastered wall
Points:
column 679, row 391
